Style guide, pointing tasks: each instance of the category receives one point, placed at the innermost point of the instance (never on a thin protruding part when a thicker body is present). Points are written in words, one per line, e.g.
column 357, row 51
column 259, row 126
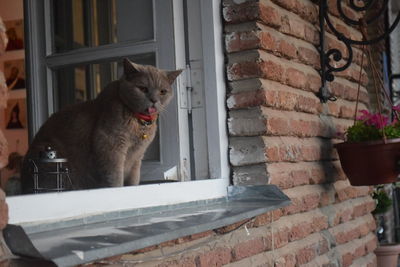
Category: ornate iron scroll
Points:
column 328, row 58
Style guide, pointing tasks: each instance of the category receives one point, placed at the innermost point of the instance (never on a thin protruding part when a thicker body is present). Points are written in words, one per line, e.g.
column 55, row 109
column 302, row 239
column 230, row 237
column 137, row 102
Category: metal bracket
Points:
column 192, row 97
column 326, row 57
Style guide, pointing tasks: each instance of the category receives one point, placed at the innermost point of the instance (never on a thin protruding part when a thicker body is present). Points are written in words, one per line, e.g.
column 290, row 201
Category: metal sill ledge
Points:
column 87, row 242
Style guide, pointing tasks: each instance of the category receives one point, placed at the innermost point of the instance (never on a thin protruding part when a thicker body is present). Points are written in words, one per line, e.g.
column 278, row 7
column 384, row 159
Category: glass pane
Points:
column 76, row 84
column 90, row 23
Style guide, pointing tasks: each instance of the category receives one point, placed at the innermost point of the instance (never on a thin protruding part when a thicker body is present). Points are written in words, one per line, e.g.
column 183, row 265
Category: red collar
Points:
column 145, row 119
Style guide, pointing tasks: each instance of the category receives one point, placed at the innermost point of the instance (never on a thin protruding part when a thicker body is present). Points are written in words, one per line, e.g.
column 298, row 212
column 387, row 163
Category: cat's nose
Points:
column 153, row 100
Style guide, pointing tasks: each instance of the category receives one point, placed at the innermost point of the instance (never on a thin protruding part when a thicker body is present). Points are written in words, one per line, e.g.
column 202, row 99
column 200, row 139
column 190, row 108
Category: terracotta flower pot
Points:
column 370, row 163
column 387, row 255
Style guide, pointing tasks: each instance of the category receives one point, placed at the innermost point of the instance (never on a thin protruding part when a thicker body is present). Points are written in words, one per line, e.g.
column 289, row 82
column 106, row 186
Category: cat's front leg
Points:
column 133, row 177
column 109, row 163
column 110, row 172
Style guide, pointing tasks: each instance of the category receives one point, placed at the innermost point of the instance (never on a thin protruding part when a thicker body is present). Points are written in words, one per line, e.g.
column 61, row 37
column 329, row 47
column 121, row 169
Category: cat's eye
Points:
column 143, row 89
column 163, row 91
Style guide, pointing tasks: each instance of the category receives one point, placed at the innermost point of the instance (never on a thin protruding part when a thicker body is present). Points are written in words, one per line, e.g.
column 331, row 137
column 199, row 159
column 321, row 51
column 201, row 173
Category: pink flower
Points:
column 396, row 108
column 377, row 120
column 365, row 115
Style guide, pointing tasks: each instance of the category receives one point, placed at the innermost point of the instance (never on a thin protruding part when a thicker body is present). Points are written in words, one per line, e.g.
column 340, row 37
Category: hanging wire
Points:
column 377, row 79
column 359, row 83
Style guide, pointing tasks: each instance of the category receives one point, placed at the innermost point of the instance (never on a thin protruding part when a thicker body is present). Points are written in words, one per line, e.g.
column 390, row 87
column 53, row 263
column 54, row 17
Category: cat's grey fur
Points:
column 101, row 139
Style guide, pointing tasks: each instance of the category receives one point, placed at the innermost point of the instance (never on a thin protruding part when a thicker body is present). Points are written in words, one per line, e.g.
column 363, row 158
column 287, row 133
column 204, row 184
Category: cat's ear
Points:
column 171, row 75
column 130, row 67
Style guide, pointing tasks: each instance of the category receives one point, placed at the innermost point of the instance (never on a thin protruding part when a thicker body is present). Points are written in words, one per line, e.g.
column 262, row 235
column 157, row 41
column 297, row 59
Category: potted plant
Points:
column 386, row 253
column 371, row 152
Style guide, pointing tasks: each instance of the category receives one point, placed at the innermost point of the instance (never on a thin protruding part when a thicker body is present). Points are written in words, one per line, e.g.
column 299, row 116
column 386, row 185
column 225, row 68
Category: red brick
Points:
column 311, row 35
column 240, row 41
column 183, row 262
column 343, row 216
column 333, row 108
column 247, row 99
column 295, row 78
column 285, row 100
column 215, row 257
column 300, row 231
column 352, row 74
column 347, row 259
column 270, row 16
column 309, row 56
column 347, row 112
column 272, row 70
column 305, row 9
column 313, row 83
column 300, row 177
column 305, row 255
column 304, row 198
column 309, row 104
column 311, row 201
column 319, row 223
column 239, row 13
column 294, row 149
column 371, row 245
column 249, row 248
column 249, row 40
column 287, row 4
column 288, row 260
column 278, row 96
column 293, row 26
column 287, row 49
column 364, row 208
column 267, row 41
column 243, row 70
column 336, row 88
column 278, row 126
column 308, row 11
column 267, row 218
column 355, row 249
column 281, row 237
column 285, row 175
column 280, row 45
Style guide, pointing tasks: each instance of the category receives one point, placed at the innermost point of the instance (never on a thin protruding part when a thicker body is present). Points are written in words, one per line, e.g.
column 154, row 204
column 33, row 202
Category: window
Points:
column 394, row 53
column 68, row 62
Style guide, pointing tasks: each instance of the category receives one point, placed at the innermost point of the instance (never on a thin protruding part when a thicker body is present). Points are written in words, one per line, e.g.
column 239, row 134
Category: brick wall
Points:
column 281, row 134
column 274, row 113
column 4, row 253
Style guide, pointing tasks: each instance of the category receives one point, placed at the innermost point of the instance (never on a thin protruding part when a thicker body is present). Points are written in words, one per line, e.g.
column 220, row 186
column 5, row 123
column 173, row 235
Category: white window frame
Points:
column 42, row 208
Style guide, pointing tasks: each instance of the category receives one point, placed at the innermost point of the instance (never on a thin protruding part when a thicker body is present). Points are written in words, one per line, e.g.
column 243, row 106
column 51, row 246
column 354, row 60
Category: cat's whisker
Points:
column 161, row 108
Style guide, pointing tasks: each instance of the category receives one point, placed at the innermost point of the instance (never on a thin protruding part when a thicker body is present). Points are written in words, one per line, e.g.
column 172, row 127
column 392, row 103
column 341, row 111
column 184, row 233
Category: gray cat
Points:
column 105, row 139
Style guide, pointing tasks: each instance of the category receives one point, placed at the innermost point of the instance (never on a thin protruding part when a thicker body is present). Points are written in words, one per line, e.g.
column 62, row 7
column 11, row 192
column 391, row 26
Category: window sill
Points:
column 91, row 239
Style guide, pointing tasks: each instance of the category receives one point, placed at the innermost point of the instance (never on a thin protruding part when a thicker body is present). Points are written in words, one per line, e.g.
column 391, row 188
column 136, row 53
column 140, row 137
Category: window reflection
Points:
column 79, row 83
column 90, row 23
